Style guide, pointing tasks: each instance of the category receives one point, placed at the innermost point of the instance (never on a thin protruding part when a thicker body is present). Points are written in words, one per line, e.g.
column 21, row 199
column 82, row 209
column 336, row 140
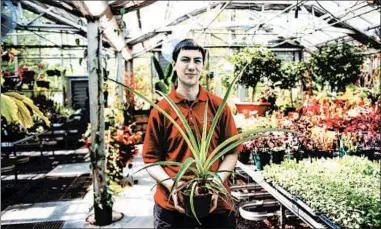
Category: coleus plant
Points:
column 199, row 143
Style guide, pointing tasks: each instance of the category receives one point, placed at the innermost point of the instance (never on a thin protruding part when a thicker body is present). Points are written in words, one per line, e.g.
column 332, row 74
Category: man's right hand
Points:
column 177, row 196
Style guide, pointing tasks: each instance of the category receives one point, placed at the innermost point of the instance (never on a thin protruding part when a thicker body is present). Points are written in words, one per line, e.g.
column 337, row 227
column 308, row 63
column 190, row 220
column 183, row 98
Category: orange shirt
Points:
column 163, row 142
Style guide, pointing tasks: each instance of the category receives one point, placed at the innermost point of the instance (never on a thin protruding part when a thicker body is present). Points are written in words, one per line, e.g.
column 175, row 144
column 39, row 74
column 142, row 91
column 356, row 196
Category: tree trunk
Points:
column 97, row 155
column 253, row 94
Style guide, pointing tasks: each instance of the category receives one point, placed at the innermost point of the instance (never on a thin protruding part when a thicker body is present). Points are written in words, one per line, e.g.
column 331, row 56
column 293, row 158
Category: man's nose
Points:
column 191, row 66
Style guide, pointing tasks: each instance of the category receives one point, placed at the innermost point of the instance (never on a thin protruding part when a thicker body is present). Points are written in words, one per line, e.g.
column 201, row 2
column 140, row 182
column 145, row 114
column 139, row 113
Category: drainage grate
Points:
column 44, row 190
column 40, row 225
column 78, row 188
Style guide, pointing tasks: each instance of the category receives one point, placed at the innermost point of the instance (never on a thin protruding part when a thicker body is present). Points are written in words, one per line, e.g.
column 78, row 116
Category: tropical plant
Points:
column 166, row 79
column 258, row 63
column 204, row 181
column 19, row 108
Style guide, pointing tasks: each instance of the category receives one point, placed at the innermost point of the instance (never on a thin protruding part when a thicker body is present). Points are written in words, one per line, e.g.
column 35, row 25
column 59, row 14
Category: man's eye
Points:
column 185, row 60
column 197, row 61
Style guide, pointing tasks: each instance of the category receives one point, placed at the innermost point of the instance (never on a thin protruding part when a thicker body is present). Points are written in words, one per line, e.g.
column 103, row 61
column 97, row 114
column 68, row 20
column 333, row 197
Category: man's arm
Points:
column 157, row 172
column 228, row 164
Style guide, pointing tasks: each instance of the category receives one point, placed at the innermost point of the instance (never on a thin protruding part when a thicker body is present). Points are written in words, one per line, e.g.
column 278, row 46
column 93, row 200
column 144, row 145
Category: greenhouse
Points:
column 195, row 114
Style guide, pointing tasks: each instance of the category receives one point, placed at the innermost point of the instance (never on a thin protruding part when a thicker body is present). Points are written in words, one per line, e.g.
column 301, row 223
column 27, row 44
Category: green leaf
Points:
column 8, row 108
column 161, row 86
column 158, row 68
column 192, row 202
column 246, row 137
column 162, row 163
column 183, row 169
column 221, row 107
column 163, row 112
column 204, row 148
column 122, row 11
column 168, row 74
column 186, row 125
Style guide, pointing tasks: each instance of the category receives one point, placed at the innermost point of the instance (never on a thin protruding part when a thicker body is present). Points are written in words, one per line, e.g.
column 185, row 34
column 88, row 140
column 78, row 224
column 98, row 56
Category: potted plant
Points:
column 198, row 190
column 258, row 64
column 337, row 64
column 122, row 149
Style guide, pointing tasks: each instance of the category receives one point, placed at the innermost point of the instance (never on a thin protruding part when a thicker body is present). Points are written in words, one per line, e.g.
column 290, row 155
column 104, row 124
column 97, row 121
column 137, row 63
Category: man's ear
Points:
column 173, row 63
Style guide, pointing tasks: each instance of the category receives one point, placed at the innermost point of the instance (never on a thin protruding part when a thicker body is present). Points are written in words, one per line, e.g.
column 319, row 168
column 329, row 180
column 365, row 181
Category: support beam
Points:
column 38, row 16
column 358, row 35
column 54, row 17
column 109, row 26
column 128, row 80
column 96, row 98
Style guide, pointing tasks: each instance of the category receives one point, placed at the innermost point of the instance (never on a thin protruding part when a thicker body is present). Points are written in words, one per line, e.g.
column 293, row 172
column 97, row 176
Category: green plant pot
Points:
column 103, row 216
column 277, row 156
column 291, row 156
column 261, row 160
column 201, row 204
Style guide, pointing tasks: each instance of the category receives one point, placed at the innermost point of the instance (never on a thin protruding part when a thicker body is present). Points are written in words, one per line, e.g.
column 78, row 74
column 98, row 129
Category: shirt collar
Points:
column 177, row 98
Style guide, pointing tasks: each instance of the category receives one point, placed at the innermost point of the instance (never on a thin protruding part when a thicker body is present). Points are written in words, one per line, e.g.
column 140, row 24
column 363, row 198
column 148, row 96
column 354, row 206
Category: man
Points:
column 164, row 143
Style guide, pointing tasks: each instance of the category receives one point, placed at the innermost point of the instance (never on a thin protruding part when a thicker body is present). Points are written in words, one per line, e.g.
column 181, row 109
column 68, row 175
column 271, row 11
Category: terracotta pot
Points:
column 247, row 107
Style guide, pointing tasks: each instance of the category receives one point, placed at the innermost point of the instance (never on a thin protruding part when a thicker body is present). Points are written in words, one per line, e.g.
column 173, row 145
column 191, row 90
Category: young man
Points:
column 164, row 143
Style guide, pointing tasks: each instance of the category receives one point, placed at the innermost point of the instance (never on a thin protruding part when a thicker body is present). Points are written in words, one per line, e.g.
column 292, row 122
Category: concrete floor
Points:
column 136, row 203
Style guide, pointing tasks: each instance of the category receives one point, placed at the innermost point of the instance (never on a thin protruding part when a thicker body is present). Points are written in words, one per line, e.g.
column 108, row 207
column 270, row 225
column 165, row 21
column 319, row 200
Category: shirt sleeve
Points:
column 228, row 128
column 152, row 146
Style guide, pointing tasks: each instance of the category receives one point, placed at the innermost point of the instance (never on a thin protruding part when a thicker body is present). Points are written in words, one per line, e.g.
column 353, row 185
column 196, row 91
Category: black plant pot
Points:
column 320, row 154
column 28, row 77
column 107, row 125
column 277, row 156
column 41, row 83
column 103, row 216
column 201, row 204
column 53, row 72
column 244, row 157
column 367, row 153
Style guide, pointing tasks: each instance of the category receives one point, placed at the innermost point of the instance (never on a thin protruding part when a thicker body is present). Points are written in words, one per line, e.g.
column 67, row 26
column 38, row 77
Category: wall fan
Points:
column 8, row 18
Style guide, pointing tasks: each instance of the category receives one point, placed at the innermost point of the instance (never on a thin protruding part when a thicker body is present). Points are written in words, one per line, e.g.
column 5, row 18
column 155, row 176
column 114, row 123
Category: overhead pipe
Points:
column 109, row 26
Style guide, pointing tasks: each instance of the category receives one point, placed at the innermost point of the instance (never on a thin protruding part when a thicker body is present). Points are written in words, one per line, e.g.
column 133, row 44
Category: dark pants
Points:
column 164, row 218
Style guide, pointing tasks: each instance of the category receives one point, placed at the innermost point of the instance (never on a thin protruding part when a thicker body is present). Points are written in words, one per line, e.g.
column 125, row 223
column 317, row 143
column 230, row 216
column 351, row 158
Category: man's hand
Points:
column 177, row 197
column 213, row 203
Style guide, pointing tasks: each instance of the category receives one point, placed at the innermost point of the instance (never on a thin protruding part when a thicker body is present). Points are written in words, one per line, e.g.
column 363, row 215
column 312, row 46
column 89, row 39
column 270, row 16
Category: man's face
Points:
column 189, row 66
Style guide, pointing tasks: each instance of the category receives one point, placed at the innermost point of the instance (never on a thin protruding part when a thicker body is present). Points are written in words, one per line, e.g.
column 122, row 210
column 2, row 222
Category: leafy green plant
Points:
column 336, row 64
column 346, row 190
column 199, row 144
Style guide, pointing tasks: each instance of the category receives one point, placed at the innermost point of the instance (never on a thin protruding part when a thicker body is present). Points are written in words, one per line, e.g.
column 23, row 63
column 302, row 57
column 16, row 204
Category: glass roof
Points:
column 315, row 23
